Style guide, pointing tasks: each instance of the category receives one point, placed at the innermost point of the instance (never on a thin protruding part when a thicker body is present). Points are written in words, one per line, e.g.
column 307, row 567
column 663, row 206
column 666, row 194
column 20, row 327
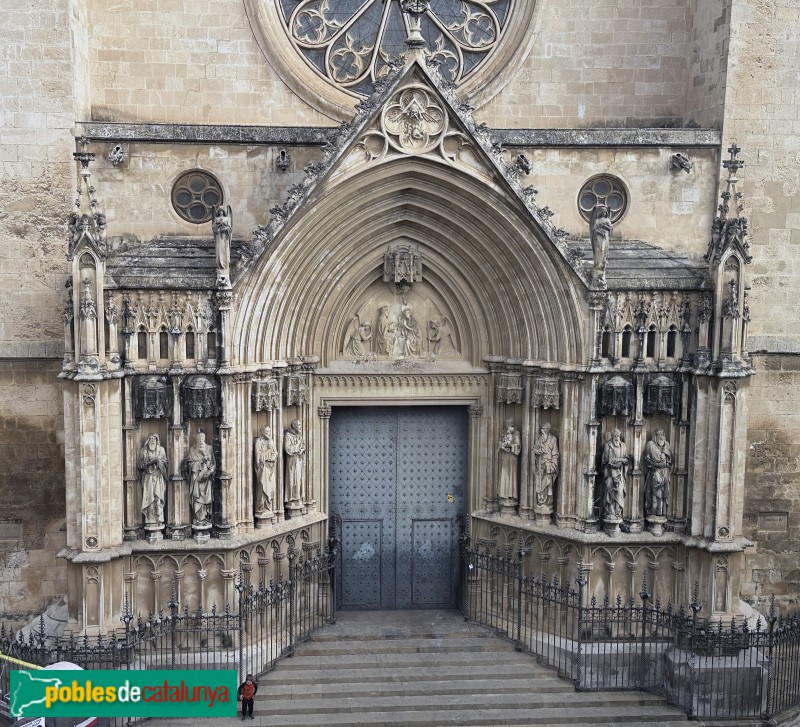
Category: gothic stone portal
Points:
column 398, row 481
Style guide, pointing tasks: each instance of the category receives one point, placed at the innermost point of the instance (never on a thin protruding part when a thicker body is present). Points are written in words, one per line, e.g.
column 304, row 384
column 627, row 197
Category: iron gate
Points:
column 398, row 484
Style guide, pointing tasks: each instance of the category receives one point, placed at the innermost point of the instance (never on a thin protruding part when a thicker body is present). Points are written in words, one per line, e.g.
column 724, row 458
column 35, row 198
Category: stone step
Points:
column 431, row 701
column 456, row 715
column 423, row 659
column 448, row 645
column 392, row 672
column 321, row 689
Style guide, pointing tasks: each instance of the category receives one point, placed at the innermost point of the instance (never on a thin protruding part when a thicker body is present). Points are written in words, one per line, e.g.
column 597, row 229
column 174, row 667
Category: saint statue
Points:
column 545, row 471
column 658, row 464
column 387, row 336
column 295, row 447
column 202, row 466
column 265, row 458
column 600, row 229
column 408, row 333
column 222, row 227
column 153, row 475
column 510, row 446
column 615, row 473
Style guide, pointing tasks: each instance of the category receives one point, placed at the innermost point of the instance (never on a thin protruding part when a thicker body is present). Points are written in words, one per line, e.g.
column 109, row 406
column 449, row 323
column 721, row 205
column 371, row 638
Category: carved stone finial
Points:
column 729, row 228
column 600, row 229
column 86, row 222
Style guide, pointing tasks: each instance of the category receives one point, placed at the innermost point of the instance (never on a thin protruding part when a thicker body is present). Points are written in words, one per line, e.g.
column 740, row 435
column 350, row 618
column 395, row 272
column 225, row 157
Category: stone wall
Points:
column 772, row 482
column 600, row 63
column 761, row 116
column 707, row 72
column 32, row 491
column 189, row 61
column 593, row 63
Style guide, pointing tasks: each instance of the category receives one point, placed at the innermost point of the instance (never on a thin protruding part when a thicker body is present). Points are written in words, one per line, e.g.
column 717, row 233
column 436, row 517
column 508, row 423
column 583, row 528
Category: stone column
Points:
column 529, row 429
column 133, row 513
column 178, row 495
column 324, row 414
column 226, row 524
column 571, row 499
column 634, row 518
column 113, row 334
column 479, row 494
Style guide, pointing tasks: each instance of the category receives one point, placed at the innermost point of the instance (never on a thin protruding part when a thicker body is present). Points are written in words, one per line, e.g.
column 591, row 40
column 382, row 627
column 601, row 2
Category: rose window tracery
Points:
column 352, row 42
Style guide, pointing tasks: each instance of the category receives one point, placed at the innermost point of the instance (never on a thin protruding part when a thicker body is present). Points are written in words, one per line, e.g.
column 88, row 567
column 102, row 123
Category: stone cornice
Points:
column 319, row 135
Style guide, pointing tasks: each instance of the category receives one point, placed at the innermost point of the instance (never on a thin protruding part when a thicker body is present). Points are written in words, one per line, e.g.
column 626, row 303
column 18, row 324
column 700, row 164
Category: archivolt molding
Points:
column 508, row 290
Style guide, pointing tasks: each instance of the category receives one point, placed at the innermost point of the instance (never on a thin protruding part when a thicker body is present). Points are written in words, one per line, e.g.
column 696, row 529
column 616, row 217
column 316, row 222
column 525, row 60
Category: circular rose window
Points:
column 194, row 194
column 605, row 190
column 348, row 44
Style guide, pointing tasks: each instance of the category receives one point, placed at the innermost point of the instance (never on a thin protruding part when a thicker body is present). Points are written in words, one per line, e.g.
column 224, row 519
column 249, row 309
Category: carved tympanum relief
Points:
column 413, row 122
column 398, row 322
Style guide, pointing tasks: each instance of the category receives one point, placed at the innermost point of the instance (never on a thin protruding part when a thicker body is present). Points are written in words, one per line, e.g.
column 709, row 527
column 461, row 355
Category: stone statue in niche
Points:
column 615, row 474
column 295, row 447
column 387, row 333
column 265, row 459
column 510, row 446
column 545, row 472
column 202, row 467
column 440, row 336
column 360, row 337
column 222, row 227
column 658, row 465
column 153, row 476
column 408, row 333
column 600, row 229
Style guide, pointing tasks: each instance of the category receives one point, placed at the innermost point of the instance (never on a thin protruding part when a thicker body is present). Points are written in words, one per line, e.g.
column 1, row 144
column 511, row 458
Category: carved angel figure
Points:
column 359, row 337
column 440, row 335
column 600, row 228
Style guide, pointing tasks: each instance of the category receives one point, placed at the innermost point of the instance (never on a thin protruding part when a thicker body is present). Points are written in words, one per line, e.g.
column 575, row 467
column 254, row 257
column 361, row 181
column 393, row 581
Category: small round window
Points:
column 604, row 190
column 194, row 194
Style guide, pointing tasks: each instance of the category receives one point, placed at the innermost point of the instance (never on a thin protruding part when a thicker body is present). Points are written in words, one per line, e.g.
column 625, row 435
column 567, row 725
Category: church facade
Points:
column 390, row 271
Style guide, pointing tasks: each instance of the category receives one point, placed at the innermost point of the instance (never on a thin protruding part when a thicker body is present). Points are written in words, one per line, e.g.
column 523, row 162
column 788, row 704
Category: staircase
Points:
column 428, row 668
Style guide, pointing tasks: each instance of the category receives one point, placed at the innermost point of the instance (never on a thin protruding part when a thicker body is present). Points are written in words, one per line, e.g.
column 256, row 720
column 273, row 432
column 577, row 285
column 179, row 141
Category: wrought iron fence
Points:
column 710, row 669
column 265, row 623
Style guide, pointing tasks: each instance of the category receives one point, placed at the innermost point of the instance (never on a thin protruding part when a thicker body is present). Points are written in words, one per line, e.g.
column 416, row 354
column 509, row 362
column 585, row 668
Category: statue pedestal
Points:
column 294, row 508
column 611, row 526
column 178, row 532
column 265, row 517
column 655, row 524
column 153, row 533
column 508, row 506
column 202, row 532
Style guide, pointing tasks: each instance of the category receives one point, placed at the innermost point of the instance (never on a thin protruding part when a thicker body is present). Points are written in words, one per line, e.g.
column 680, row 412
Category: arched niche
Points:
column 508, row 289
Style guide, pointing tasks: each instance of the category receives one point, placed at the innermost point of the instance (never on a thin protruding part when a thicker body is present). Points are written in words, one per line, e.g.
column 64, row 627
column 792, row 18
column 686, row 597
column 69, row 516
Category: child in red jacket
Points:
column 246, row 692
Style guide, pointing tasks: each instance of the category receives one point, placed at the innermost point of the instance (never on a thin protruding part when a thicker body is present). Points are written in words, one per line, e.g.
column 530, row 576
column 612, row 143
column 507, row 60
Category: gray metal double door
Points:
column 398, row 481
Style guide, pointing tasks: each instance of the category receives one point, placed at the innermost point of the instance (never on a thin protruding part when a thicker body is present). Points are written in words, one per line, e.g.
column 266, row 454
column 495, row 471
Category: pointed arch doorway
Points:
column 398, row 482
